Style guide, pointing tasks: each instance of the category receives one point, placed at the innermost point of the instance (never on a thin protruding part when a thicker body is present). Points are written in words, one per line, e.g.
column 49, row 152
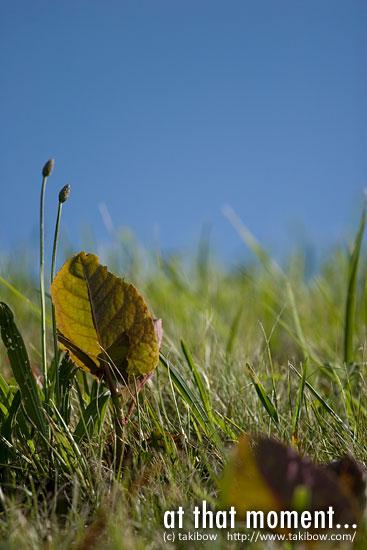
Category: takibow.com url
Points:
column 254, row 536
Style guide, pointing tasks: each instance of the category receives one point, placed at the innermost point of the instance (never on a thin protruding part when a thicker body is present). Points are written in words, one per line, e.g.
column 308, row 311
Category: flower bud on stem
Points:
column 63, row 195
column 47, row 171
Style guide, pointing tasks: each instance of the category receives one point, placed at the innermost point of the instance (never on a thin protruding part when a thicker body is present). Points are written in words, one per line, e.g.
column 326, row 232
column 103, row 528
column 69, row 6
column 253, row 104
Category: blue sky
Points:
column 167, row 110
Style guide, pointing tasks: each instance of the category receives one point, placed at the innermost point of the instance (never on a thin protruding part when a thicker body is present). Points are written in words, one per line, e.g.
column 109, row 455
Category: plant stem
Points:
column 118, row 419
column 119, row 423
column 53, row 264
column 42, row 291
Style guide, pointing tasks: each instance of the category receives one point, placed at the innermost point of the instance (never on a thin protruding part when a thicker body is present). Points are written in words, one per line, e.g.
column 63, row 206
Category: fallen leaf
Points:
column 265, row 475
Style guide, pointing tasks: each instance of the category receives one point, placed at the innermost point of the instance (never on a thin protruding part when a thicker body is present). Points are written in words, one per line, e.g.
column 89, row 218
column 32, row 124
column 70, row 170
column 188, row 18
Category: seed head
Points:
column 64, row 193
column 48, row 167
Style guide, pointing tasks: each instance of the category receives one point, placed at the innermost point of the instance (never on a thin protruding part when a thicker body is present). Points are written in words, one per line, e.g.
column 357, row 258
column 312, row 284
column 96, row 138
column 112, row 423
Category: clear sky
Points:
column 167, row 110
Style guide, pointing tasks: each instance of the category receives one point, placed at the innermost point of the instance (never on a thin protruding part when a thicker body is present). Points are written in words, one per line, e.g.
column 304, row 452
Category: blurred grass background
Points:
column 275, row 319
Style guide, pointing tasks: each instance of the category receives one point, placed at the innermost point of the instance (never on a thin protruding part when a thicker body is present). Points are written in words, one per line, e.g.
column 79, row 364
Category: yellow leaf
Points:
column 103, row 321
column 263, row 474
column 243, row 485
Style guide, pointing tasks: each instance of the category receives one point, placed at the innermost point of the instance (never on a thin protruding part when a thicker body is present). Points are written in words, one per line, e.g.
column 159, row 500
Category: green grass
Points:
column 255, row 349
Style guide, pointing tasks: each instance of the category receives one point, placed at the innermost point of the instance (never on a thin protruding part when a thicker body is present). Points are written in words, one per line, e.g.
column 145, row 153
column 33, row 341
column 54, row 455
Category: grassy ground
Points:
column 64, row 494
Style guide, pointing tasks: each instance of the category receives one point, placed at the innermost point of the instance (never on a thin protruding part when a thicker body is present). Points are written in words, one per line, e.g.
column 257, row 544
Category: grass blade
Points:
column 234, row 329
column 263, row 396
column 270, row 265
column 23, row 298
column 350, row 308
column 299, row 404
column 91, row 415
column 21, row 368
column 327, row 407
column 5, row 395
column 192, row 401
column 6, row 428
column 297, row 322
column 67, row 372
column 75, row 452
column 202, row 390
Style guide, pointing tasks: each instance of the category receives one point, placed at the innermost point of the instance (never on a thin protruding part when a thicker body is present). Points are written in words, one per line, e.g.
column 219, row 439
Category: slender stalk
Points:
column 63, row 195
column 57, row 378
column 47, row 171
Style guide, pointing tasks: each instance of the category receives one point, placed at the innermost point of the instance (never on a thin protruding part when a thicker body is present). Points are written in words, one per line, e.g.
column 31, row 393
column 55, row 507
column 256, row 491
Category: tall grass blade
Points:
column 67, row 372
column 92, row 416
column 234, row 329
column 299, row 404
column 350, row 309
column 203, row 259
column 168, row 442
column 21, row 296
column 192, row 401
column 297, row 322
column 6, row 427
column 270, row 265
column 199, row 383
column 74, row 450
column 326, row 406
column 21, row 368
column 6, row 395
column 263, row 396
column 224, row 423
